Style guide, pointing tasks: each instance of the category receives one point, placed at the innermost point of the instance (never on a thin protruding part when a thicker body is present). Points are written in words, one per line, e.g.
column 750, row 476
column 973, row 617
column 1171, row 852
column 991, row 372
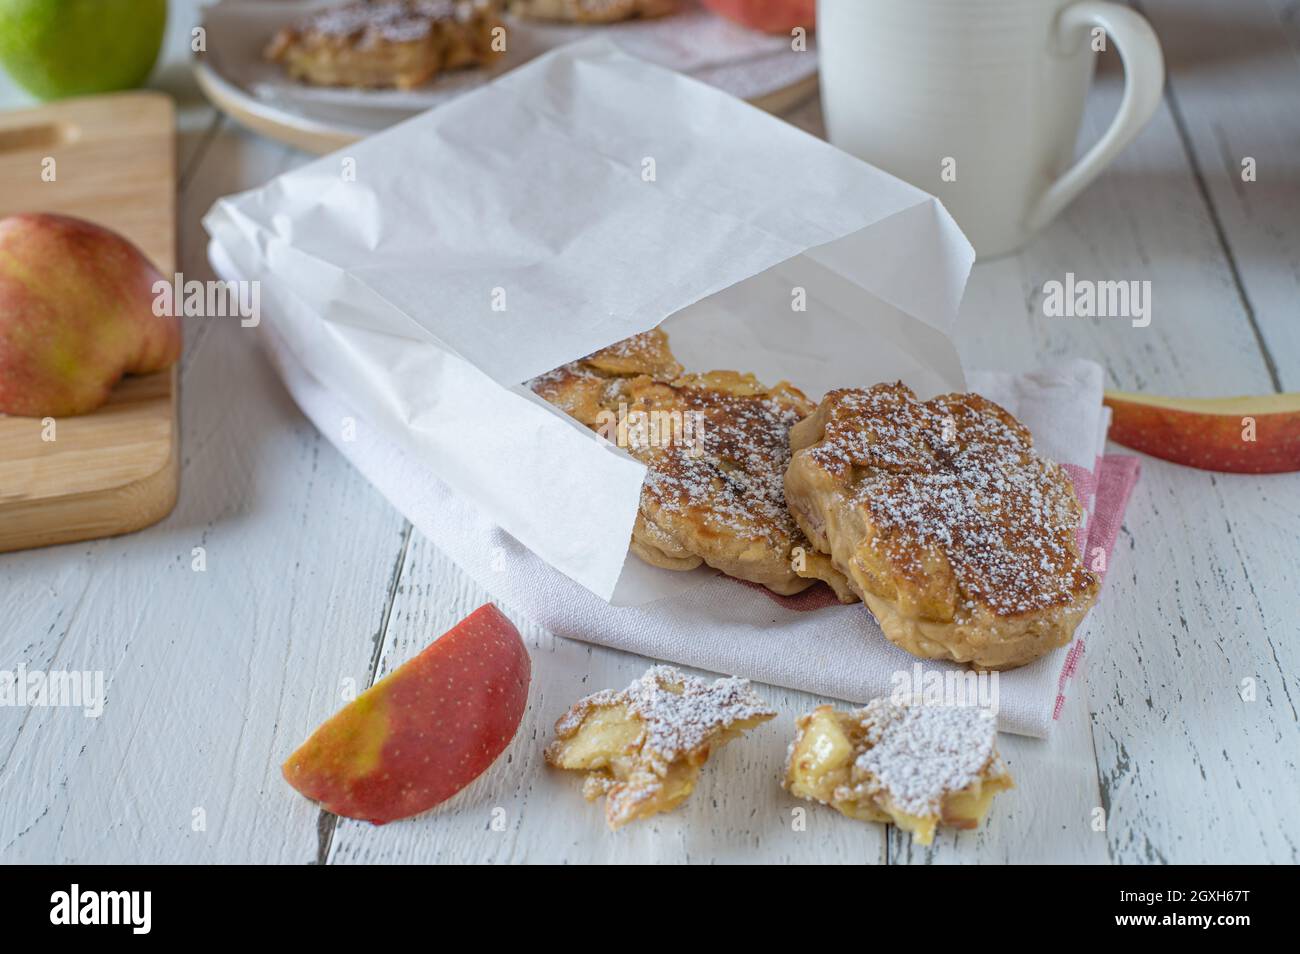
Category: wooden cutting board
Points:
column 116, row 469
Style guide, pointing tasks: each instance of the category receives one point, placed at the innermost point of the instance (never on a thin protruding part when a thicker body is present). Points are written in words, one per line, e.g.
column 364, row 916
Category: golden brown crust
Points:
column 959, row 538
column 401, row 43
column 716, row 446
column 591, row 11
column 645, row 354
column 720, row 497
column 643, row 747
column 917, row 766
column 591, row 388
column 811, row 564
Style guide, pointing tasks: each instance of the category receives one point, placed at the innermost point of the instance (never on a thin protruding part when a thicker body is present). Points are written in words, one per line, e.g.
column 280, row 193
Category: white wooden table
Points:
column 312, row 578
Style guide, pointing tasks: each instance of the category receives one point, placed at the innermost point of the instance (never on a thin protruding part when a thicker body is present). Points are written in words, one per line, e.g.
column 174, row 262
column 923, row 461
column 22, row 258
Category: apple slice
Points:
column 769, row 16
column 1239, row 435
column 425, row 731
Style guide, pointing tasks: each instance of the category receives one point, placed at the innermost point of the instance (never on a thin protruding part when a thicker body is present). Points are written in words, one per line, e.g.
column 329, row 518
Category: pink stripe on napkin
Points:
column 1117, row 475
column 1085, row 489
column 1085, row 482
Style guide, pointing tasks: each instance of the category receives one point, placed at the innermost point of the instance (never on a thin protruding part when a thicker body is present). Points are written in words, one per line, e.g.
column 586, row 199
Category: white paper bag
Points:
column 426, row 272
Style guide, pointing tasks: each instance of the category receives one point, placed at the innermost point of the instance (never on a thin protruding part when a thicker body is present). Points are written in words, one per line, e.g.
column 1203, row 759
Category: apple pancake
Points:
column 591, row 11
column 716, row 447
column 719, row 498
column 644, row 746
column 591, row 388
column 917, row 766
column 398, row 43
column 958, row 537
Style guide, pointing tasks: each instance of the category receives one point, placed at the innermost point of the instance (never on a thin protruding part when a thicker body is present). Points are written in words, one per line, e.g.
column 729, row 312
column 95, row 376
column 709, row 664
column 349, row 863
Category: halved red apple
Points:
column 425, row 731
column 1239, row 435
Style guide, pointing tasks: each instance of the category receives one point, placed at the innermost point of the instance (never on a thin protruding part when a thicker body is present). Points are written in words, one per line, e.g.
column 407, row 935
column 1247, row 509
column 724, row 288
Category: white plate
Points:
column 762, row 69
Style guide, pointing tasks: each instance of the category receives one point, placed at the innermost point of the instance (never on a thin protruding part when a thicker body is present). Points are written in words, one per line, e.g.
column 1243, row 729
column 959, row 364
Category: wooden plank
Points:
column 210, row 675
column 1234, row 81
column 1047, row 817
column 1192, row 772
column 114, row 165
column 739, row 812
column 1200, row 593
column 114, row 470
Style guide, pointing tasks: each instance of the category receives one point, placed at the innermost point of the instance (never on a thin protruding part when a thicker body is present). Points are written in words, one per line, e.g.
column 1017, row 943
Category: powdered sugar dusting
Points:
column 398, row 21
column 645, row 353
column 716, row 447
column 557, row 375
column 644, row 345
column 958, row 474
column 602, row 10
column 734, row 480
column 681, row 713
column 919, row 754
column 730, row 478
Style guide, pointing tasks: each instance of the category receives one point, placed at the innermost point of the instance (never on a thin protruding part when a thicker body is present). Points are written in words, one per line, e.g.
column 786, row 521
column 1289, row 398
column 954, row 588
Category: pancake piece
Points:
column 957, row 536
column 591, row 11
column 585, row 388
column 643, row 747
column 716, row 447
column 917, row 766
column 718, row 497
column 394, row 43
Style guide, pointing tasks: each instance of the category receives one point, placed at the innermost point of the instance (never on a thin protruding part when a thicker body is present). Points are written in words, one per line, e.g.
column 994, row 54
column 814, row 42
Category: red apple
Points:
column 770, row 16
column 1240, row 435
column 424, row 732
column 76, row 313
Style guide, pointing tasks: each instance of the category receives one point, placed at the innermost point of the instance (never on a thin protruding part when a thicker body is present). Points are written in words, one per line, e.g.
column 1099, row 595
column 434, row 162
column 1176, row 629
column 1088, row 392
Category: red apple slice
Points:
column 1239, row 435
column 425, row 731
column 770, row 16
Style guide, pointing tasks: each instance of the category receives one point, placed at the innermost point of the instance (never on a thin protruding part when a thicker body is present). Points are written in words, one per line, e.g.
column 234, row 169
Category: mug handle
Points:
column 1144, row 78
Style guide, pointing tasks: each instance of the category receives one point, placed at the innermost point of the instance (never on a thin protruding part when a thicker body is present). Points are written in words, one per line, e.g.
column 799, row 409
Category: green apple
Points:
column 57, row 48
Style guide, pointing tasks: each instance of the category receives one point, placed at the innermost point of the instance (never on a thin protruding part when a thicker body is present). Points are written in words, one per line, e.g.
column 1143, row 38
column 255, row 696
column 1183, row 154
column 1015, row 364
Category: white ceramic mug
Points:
column 979, row 101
